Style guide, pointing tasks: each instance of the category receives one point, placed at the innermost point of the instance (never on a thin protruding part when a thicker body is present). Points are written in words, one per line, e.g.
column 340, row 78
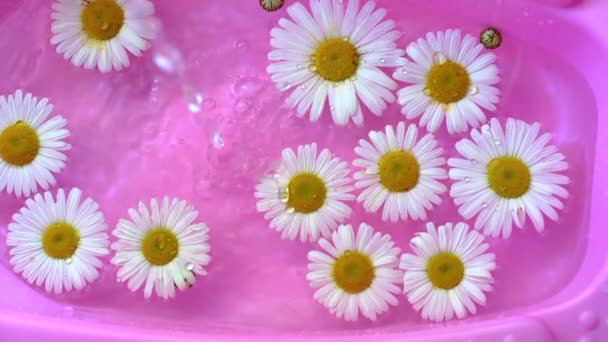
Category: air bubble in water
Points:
column 168, row 59
column 218, row 140
column 194, row 99
column 189, row 266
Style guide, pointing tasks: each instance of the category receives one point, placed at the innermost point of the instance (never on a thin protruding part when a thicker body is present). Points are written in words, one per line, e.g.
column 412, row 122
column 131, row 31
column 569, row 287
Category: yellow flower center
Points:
column 60, row 240
column 509, row 177
column 399, row 171
column 160, row 246
column 306, row 193
column 447, row 82
column 445, row 270
column 353, row 272
column 19, row 144
column 102, row 19
column 336, row 59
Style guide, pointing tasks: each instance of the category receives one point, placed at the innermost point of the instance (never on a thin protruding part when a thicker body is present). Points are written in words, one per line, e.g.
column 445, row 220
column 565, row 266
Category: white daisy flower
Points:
column 449, row 272
column 100, row 32
column 508, row 175
column 336, row 52
column 30, row 145
column 161, row 248
column 356, row 272
column 305, row 195
column 400, row 172
column 58, row 242
column 449, row 79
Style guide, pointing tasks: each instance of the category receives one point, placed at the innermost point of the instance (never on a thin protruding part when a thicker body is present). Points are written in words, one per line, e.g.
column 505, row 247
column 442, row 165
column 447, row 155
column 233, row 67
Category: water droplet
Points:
column 312, row 68
column 68, row 261
column 484, row 205
column 189, row 266
column 291, row 210
column 404, row 71
column 497, row 142
column 345, row 38
column 331, row 108
column 168, row 58
column 218, row 140
column 439, row 58
column 354, row 78
column 362, row 61
column 284, row 86
column 382, row 60
column 473, row 90
column 588, row 320
column 194, row 99
column 426, row 91
column 299, row 66
column 467, row 179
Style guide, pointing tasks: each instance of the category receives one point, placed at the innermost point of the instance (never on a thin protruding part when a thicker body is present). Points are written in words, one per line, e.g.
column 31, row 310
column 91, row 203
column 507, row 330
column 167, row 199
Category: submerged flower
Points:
column 335, row 53
column 356, row 272
column 100, row 32
column 30, row 145
column 449, row 272
column 449, row 80
column 58, row 242
column 161, row 248
column 305, row 196
column 508, row 175
column 400, row 172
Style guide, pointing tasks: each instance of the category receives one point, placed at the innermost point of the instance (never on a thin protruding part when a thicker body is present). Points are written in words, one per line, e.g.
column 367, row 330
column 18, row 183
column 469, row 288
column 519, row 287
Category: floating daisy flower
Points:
column 30, row 145
column 100, row 32
column 58, row 242
column 449, row 272
column 400, row 172
column 335, row 53
column 161, row 248
column 507, row 176
column 450, row 79
column 306, row 194
column 356, row 272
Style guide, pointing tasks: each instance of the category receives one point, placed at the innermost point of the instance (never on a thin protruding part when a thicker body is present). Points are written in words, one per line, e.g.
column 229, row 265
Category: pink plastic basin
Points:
column 207, row 124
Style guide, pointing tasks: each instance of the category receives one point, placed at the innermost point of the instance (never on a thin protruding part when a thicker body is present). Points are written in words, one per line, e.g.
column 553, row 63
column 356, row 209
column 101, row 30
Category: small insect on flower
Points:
column 272, row 5
column 490, row 38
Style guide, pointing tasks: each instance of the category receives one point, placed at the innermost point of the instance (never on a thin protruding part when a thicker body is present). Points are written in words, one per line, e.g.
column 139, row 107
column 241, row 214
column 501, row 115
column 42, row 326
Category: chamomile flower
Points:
column 508, row 175
column 306, row 194
column 58, row 242
column 449, row 79
column 99, row 33
column 356, row 272
column 449, row 272
column 31, row 144
column 333, row 53
column 401, row 173
column 161, row 248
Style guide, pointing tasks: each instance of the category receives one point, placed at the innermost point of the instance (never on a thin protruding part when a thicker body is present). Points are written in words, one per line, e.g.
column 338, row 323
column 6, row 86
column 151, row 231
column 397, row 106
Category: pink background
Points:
column 208, row 124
